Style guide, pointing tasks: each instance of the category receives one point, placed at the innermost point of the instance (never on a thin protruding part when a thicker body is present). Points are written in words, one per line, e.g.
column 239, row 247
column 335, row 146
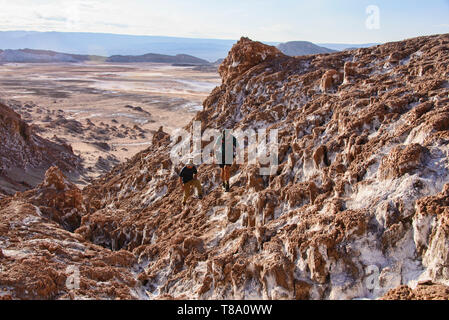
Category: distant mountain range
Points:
column 43, row 56
column 159, row 58
column 101, row 44
column 46, row 56
column 346, row 46
column 107, row 45
column 302, row 48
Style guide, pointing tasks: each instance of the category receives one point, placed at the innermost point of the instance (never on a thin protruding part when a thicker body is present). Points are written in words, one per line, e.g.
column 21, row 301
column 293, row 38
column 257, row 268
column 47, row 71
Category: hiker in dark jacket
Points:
column 225, row 150
column 188, row 179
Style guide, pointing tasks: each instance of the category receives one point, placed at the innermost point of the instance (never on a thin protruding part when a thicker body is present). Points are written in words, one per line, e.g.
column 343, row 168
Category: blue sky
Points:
column 318, row 21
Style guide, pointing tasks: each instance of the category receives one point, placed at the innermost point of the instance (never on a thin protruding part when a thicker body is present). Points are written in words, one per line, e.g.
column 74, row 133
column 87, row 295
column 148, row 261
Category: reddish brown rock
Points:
column 402, row 160
column 58, row 199
column 320, row 156
column 302, row 290
column 22, row 148
column 244, row 55
column 160, row 138
column 354, row 202
column 422, row 292
column 43, row 261
column 349, row 71
column 330, row 79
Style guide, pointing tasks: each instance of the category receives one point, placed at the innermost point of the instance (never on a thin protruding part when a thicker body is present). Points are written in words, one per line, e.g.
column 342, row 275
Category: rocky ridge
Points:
column 357, row 208
column 41, row 259
column 25, row 156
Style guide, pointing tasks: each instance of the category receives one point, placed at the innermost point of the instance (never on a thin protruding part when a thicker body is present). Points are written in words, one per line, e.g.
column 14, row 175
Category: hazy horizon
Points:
column 110, row 44
column 192, row 38
column 323, row 21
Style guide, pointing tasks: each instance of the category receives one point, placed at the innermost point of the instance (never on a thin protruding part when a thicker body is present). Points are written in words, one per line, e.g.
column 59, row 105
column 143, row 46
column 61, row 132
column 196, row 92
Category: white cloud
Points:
column 266, row 20
column 156, row 17
column 61, row 15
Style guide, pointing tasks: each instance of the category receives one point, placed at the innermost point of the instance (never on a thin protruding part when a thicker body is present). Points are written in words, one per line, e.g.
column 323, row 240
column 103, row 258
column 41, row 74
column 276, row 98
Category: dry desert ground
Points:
column 106, row 112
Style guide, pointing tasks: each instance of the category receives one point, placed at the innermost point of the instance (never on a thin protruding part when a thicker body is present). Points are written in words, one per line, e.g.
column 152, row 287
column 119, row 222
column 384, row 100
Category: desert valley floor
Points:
column 357, row 208
column 106, row 112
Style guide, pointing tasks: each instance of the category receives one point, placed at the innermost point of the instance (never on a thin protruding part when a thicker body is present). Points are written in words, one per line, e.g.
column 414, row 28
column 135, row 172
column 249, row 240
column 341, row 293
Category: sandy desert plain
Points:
column 106, row 112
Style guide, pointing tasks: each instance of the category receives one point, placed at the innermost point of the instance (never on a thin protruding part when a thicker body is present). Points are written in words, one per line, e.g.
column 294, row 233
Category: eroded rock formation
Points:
column 25, row 156
column 40, row 260
column 356, row 209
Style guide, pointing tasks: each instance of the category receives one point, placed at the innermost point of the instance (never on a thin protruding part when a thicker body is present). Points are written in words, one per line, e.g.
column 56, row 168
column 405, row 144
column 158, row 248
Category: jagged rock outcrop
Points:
column 422, row 292
column 341, row 217
column 244, row 55
column 58, row 199
column 40, row 260
column 356, row 208
column 25, row 156
column 330, row 79
column 160, row 138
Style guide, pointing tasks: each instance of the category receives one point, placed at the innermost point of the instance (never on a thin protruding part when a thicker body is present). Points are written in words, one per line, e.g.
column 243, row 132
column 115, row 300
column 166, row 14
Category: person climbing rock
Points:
column 189, row 180
column 225, row 150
